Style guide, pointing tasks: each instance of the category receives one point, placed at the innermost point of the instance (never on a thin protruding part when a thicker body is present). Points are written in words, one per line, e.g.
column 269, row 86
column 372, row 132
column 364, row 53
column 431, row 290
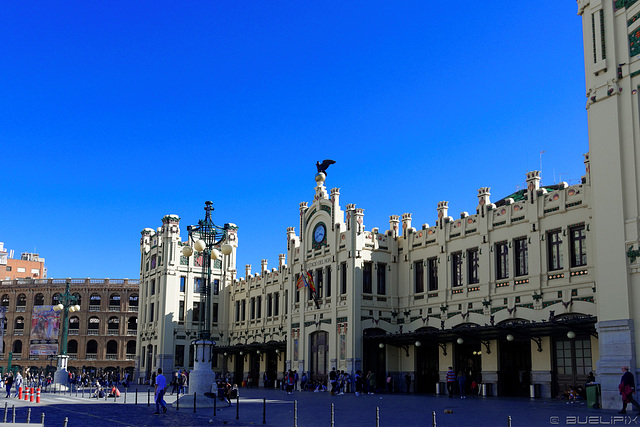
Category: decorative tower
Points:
column 611, row 37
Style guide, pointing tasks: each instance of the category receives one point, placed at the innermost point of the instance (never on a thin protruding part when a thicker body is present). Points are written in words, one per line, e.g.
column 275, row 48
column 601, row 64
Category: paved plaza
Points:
column 314, row 409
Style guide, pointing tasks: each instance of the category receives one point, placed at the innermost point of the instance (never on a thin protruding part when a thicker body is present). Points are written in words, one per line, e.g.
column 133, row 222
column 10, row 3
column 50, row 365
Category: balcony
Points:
column 18, row 332
column 112, row 357
column 74, row 331
column 113, row 332
column 94, row 308
column 133, row 309
column 129, row 356
column 34, row 357
column 132, row 332
column 21, row 309
column 92, row 356
column 73, row 356
column 114, row 308
column 17, row 357
column 93, row 332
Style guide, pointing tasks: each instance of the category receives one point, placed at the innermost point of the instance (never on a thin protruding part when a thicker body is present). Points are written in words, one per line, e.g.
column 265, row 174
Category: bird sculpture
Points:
column 322, row 167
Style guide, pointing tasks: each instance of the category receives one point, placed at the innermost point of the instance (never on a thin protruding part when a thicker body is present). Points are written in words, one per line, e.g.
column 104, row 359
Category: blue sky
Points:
column 114, row 114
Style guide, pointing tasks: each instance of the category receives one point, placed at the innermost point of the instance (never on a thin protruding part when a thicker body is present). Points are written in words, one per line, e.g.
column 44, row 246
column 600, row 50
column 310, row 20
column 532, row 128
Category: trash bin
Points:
column 535, row 391
column 486, row 389
column 593, row 396
column 441, row 388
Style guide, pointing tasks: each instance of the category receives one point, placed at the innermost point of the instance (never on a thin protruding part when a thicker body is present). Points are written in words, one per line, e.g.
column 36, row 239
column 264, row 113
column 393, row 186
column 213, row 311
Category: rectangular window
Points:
column 473, row 260
column 259, row 308
column 319, row 277
column 237, row 311
column 381, row 277
column 521, row 256
column 432, row 273
column 343, row 278
column 214, row 315
column 328, row 286
column 366, row 277
column 286, row 302
column 253, row 308
column 502, row 260
column 35, row 271
column 554, row 249
column 151, row 313
column 179, row 356
column 578, row 246
column 181, row 311
column 418, row 276
column 153, row 286
column 216, row 287
column 8, row 268
column 183, row 282
column 456, row 269
column 297, row 290
column 21, row 270
column 197, row 285
column 276, row 304
column 269, row 305
column 195, row 315
column 244, row 310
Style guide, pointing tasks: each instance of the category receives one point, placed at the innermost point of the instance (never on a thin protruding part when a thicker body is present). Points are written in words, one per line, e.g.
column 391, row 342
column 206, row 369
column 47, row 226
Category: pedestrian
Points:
column 175, row 383
column 371, row 379
column 407, row 379
column 451, row 380
column 627, row 388
column 7, row 383
column 296, row 378
column 333, row 377
column 290, row 380
column 18, row 383
column 303, row 382
column 389, row 383
column 462, row 383
column 161, row 385
column 358, row 378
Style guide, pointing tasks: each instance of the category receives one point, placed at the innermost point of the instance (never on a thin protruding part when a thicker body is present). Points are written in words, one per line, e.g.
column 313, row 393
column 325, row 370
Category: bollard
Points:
column 13, row 416
column 125, row 395
column 66, row 421
column 19, row 394
column 32, row 395
column 215, row 399
column 42, row 419
column 264, row 411
column 28, row 415
column 377, row 416
column 332, row 416
column 38, row 395
column 295, row 413
column 5, row 411
column 509, row 421
column 433, row 419
column 178, row 403
column 76, row 390
column 136, row 396
column 26, row 394
column 194, row 402
column 148, row 397
column 238, row 407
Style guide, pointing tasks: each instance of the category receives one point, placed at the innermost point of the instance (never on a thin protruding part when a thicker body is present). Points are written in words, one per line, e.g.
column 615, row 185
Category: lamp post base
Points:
column 61, row 376
column 202, row 377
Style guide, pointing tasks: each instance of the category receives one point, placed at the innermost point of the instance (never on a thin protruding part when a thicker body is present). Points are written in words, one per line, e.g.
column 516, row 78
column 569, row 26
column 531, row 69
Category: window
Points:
column 297, row 290
column 418, row 276
column 456, row 269
column 286, row 302
column 237, row 311
column 198, row 284
column 473, row 258
column 502, row 261
column 183, row 281
column 554, row 249
column 432, row 274
column 181, row 311
column 153, row 261
column 366, row 278
column 195, row 315
column 179, row 355
column 39, row 299
column 343, row 278
column 381, row 278
column 259, row 307
column 328, row 282
column 153, row 286
column 21, row 270
column 276, row 304
column 8, row 268
column 578, row 246
column 244, row 310
column 269, row 305
column 216, row 287
column 22, row 300
column 319, row 277
column 151, row 313
column 35, row 271
column 214, row 315
column 5, row 300
column 521, row 256
column 253, row 308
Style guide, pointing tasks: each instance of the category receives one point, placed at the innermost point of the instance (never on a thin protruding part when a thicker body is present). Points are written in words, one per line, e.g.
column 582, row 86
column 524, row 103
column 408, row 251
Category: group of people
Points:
column 461, row 380
column 179, row 382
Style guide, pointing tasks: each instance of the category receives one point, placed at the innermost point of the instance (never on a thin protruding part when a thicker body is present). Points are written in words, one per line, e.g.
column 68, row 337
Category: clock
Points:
column 319, row 233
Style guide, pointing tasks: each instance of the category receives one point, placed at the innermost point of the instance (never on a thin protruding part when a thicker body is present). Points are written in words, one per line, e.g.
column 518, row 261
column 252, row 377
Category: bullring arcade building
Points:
column 505, row 294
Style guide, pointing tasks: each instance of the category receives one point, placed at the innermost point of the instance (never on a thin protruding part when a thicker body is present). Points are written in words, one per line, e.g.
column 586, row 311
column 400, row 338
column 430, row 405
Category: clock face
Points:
column 319, row 233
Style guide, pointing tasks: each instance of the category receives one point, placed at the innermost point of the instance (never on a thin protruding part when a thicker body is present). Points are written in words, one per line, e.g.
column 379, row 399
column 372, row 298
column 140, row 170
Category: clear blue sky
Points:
column 114, row 114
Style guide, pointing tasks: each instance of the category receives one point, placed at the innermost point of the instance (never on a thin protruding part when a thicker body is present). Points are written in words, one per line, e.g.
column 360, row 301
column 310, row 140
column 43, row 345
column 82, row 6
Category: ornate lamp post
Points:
column 207, row 238
column 67, row 303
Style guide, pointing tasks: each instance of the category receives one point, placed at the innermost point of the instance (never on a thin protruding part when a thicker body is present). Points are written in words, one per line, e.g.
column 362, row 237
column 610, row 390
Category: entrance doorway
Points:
column 572, row 363
column 514, row 376
column 427, row 361
column 468, row 358
column 238, row 371
column 272, row 369
column 319, row 349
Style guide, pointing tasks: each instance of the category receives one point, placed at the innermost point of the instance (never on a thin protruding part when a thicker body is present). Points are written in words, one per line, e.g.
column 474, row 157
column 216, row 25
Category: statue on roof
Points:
column 322, row 167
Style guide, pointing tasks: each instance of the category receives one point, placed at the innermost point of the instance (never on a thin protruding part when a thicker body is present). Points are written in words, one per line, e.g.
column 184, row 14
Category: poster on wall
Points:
column 343, row 347
column 295, row 349
column 45, row 326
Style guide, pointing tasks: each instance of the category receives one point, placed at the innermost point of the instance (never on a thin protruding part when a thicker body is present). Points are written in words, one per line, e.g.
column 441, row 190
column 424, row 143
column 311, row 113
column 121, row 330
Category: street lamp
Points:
column 207, row 239
column 68, row 303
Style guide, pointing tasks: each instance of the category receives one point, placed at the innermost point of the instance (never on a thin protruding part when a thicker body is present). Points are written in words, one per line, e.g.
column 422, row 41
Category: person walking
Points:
column 161, row 385
column 7, row 383
column 462, row 383
column 18, row 383
column 451, row 380
column 627, row 388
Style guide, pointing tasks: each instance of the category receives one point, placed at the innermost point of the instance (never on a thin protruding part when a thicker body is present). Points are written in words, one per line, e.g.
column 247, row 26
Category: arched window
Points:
column 132, row 325
column 94, row 302
column 133, row 302
column 39, row 299
column 114, row 302
column 72, row 347
column 74, row 325
column 93, row 328
column 55, row 300
column 113, row 326
column 19, row 324
column 22, row 301
column 5, row 300
column 112, row 350
column 17, row 347
column 92, row 350
column 131, row 347
column 78, row 298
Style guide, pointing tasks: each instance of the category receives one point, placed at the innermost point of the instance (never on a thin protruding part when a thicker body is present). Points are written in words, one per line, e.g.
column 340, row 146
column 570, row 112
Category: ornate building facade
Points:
column 505, row 294
column 102, row 335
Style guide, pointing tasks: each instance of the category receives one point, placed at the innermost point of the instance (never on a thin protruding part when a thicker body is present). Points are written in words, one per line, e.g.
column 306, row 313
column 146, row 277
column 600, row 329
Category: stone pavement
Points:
column 314, row 409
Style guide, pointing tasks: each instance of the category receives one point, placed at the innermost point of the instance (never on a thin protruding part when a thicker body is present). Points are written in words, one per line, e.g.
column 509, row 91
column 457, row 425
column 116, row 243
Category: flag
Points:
column 309, row 280
column 301, row 282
